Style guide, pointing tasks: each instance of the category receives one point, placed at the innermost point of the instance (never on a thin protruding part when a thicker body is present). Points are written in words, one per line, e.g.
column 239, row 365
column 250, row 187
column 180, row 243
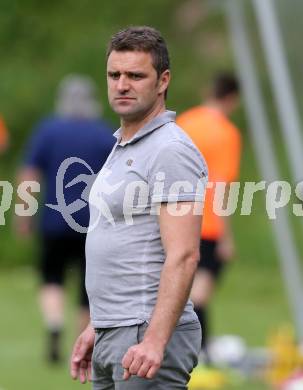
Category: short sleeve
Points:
column 177, row 173
column 36, row 152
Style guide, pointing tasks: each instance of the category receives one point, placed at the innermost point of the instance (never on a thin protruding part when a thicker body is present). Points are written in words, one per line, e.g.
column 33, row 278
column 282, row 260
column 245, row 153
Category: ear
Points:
column 164, row 80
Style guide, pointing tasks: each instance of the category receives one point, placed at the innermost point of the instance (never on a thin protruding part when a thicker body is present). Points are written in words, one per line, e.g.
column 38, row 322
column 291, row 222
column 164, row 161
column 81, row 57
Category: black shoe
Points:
column 54, row 355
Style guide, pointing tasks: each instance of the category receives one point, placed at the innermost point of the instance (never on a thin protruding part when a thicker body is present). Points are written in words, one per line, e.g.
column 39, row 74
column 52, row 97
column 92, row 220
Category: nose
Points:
column 123, row 85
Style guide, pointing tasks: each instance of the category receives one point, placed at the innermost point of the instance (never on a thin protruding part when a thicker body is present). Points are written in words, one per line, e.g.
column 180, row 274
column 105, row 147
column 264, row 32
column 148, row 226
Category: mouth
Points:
column 124, row 98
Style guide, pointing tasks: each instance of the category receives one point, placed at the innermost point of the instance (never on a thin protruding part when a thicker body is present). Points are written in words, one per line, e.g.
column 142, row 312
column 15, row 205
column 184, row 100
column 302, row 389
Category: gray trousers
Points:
column 180, row 357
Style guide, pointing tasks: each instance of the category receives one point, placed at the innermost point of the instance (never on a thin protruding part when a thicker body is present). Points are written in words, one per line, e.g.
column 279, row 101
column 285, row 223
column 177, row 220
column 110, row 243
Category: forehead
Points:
column 124, row 61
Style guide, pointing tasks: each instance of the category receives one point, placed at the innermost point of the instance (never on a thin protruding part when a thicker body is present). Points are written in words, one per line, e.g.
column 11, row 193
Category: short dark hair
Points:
column 142, row 38
column 225, row 84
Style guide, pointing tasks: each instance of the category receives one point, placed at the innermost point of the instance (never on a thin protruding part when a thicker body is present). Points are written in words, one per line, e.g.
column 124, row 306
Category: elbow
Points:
column 195, row 257
column 192, row 258
column 188, row 259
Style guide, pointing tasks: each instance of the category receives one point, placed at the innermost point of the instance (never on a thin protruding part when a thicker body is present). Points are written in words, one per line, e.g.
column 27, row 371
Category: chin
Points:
column 125, row 112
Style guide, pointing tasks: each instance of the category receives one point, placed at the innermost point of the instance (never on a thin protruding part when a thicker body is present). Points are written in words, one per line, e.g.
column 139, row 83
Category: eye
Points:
column 114, row 75
column 136, row 76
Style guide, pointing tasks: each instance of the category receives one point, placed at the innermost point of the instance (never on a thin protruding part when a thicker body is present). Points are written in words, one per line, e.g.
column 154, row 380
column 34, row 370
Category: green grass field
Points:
column 250, row 308
column 40, row 48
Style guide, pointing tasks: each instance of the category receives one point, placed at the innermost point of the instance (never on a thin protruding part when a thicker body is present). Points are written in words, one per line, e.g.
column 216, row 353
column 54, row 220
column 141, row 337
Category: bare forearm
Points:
column 23, row 224
column 175, row 284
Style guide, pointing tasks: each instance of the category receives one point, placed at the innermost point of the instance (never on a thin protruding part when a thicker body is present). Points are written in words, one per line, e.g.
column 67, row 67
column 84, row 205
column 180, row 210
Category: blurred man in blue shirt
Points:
column 64, row 154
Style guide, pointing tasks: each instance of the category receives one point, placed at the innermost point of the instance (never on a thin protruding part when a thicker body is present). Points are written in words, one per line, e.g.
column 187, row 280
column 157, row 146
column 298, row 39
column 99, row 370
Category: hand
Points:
column 80, row 364
column 226, row 248
column 143, row 360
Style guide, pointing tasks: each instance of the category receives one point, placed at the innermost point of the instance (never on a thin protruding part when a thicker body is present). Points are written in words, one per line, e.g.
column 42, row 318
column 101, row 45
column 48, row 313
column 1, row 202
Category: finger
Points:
column 127, row 359
column 126, row 374
column 83, row 371
column 143, row 370
column 89, row 371
column 152, row 371
column 74, row 364
column 80, row 352
column 135, row 365
column 74, row 370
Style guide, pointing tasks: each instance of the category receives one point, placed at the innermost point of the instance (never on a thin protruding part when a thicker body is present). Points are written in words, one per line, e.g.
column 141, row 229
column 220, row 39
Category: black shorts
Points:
column 60, row 253
column 209, row 260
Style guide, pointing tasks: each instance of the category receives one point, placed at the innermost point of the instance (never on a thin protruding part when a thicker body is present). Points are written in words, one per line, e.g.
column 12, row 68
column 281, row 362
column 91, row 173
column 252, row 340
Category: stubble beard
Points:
column 134, row 115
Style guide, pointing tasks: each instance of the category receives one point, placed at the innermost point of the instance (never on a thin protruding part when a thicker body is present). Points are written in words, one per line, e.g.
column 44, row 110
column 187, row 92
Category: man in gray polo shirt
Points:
column 142, row 247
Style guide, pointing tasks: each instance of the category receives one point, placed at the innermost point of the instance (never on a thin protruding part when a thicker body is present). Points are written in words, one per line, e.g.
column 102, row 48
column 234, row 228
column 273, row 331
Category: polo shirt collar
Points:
column 158, row 121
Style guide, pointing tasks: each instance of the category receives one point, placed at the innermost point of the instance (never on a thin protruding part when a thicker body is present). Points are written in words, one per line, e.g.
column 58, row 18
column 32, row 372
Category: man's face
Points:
column 133, row 86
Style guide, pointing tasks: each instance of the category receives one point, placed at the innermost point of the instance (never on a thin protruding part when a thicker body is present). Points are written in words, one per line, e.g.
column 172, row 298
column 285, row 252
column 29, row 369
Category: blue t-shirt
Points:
column 79, row 140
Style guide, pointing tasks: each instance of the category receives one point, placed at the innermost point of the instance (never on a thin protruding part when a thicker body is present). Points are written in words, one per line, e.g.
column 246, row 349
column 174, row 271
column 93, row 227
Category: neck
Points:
column 217, row 106
column 131, row 127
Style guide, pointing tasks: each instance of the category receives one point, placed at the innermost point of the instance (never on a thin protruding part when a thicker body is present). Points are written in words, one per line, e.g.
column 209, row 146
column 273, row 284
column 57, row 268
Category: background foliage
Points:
column 43, row 41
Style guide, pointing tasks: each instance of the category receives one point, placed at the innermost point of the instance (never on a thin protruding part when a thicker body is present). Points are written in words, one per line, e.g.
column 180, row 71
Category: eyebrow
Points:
column 134, row 73
column 113, row 73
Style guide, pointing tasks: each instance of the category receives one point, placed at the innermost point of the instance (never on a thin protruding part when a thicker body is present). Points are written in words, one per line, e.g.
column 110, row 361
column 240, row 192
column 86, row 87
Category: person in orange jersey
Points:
column 219, row 141
column 3, row 136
